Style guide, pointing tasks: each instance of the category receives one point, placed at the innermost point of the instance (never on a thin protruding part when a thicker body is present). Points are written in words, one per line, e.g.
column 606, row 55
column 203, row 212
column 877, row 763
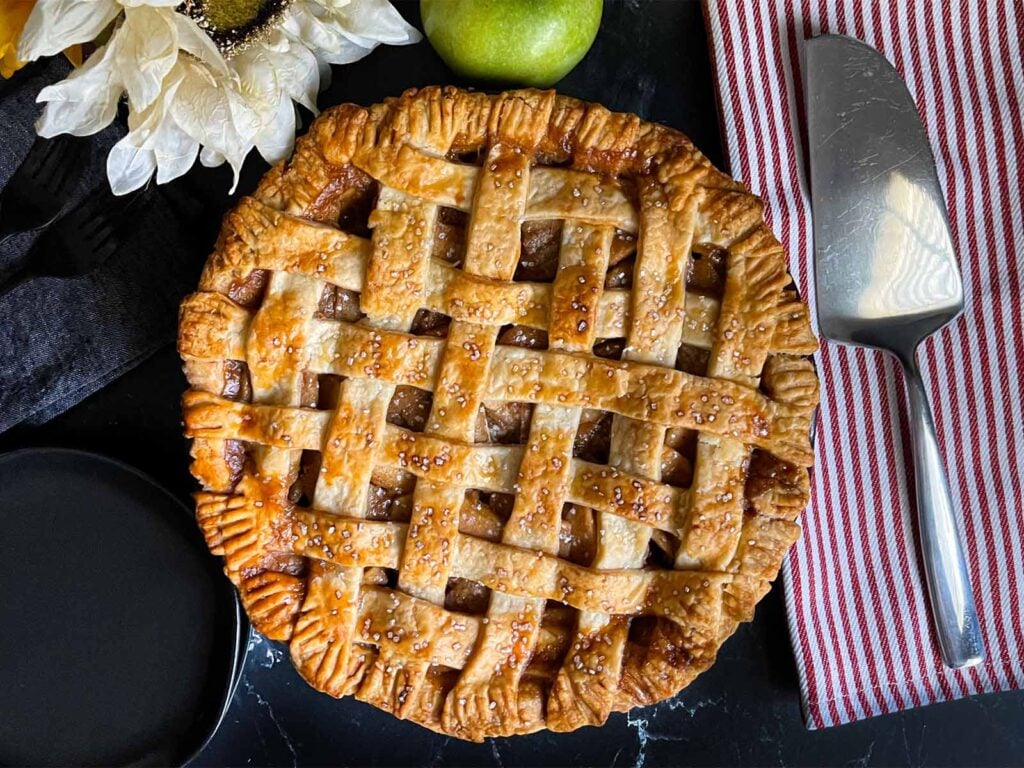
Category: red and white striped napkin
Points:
column 858, row 614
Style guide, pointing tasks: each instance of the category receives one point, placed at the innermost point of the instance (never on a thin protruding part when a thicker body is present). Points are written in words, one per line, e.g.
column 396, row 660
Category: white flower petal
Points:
column 244, row 115
column 175, row 151
column 54, row 25
column 216, row 116
column 192, row 39
column 302, row 22
column 211, row 159
column 257, row 77
column 276, row 140
column 131, row 162
column 296, row 69
column 86, row 101
column 129, row 167
column 150, row 3
column 347, row 53
column 276, row 40
column 374, row 20
column 199, row 103
column 326, row 73
column 154, row 140
column 315, row 28
column 142, row 123
column 147, row 49
column 325, row 39
column 300, row 76
column 344, row 31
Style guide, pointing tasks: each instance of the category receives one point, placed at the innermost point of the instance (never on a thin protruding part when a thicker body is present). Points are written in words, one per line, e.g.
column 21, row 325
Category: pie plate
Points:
column 121, row 642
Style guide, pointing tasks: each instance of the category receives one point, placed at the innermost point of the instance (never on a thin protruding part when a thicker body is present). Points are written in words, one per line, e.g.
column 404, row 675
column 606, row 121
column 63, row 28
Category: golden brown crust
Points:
column 289, row 410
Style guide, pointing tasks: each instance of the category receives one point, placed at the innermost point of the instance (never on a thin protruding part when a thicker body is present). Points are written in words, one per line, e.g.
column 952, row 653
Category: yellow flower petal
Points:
column 13, row 15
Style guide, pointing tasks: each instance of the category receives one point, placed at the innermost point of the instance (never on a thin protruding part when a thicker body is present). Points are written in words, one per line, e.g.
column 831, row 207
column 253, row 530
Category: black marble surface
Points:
column 650, row 58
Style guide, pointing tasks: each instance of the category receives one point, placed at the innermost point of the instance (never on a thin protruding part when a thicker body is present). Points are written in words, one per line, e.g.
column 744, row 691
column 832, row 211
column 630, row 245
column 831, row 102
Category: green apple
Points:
column 529, row 42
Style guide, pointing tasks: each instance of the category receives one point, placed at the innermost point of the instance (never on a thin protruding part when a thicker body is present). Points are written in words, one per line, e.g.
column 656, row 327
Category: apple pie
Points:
column 501, row 407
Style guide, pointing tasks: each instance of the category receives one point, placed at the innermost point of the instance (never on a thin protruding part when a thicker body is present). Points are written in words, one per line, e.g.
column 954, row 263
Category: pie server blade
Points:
column 886, row 275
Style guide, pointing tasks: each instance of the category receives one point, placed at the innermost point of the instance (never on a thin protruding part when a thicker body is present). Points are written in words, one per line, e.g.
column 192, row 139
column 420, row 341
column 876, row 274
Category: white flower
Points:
column 185, row 98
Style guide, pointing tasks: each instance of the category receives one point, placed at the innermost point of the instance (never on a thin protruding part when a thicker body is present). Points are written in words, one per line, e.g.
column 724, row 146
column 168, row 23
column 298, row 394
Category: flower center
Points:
column 234, row 25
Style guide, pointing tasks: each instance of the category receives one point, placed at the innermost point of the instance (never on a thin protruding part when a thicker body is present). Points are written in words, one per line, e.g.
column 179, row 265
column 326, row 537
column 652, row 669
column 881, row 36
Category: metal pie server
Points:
column 887, row 276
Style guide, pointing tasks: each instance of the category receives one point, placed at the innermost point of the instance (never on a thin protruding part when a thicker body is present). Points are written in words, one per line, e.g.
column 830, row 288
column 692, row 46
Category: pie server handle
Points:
column 949, row 588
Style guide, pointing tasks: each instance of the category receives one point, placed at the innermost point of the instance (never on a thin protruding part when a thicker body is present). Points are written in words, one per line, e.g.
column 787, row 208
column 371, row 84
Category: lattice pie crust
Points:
column 501, row 408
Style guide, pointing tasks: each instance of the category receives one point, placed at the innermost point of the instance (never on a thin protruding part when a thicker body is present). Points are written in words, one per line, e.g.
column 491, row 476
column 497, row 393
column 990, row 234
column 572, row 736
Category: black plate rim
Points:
column 242, row 629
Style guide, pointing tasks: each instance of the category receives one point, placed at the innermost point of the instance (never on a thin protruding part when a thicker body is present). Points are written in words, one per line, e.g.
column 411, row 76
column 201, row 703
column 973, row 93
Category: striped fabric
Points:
column 858, row 614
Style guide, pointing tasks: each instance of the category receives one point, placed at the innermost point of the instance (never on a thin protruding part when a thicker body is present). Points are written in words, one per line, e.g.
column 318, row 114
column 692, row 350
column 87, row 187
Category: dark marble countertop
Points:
column 650, row 58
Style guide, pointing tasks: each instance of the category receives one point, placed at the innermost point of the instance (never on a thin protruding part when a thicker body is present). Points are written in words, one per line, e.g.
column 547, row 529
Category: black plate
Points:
column 120, row 639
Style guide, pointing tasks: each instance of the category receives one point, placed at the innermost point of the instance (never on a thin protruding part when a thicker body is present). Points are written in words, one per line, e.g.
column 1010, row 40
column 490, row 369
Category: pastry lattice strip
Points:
column 396, row 277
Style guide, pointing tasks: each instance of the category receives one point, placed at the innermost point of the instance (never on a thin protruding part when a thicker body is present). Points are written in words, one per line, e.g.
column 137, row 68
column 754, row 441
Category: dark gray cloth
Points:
column 61, row 340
